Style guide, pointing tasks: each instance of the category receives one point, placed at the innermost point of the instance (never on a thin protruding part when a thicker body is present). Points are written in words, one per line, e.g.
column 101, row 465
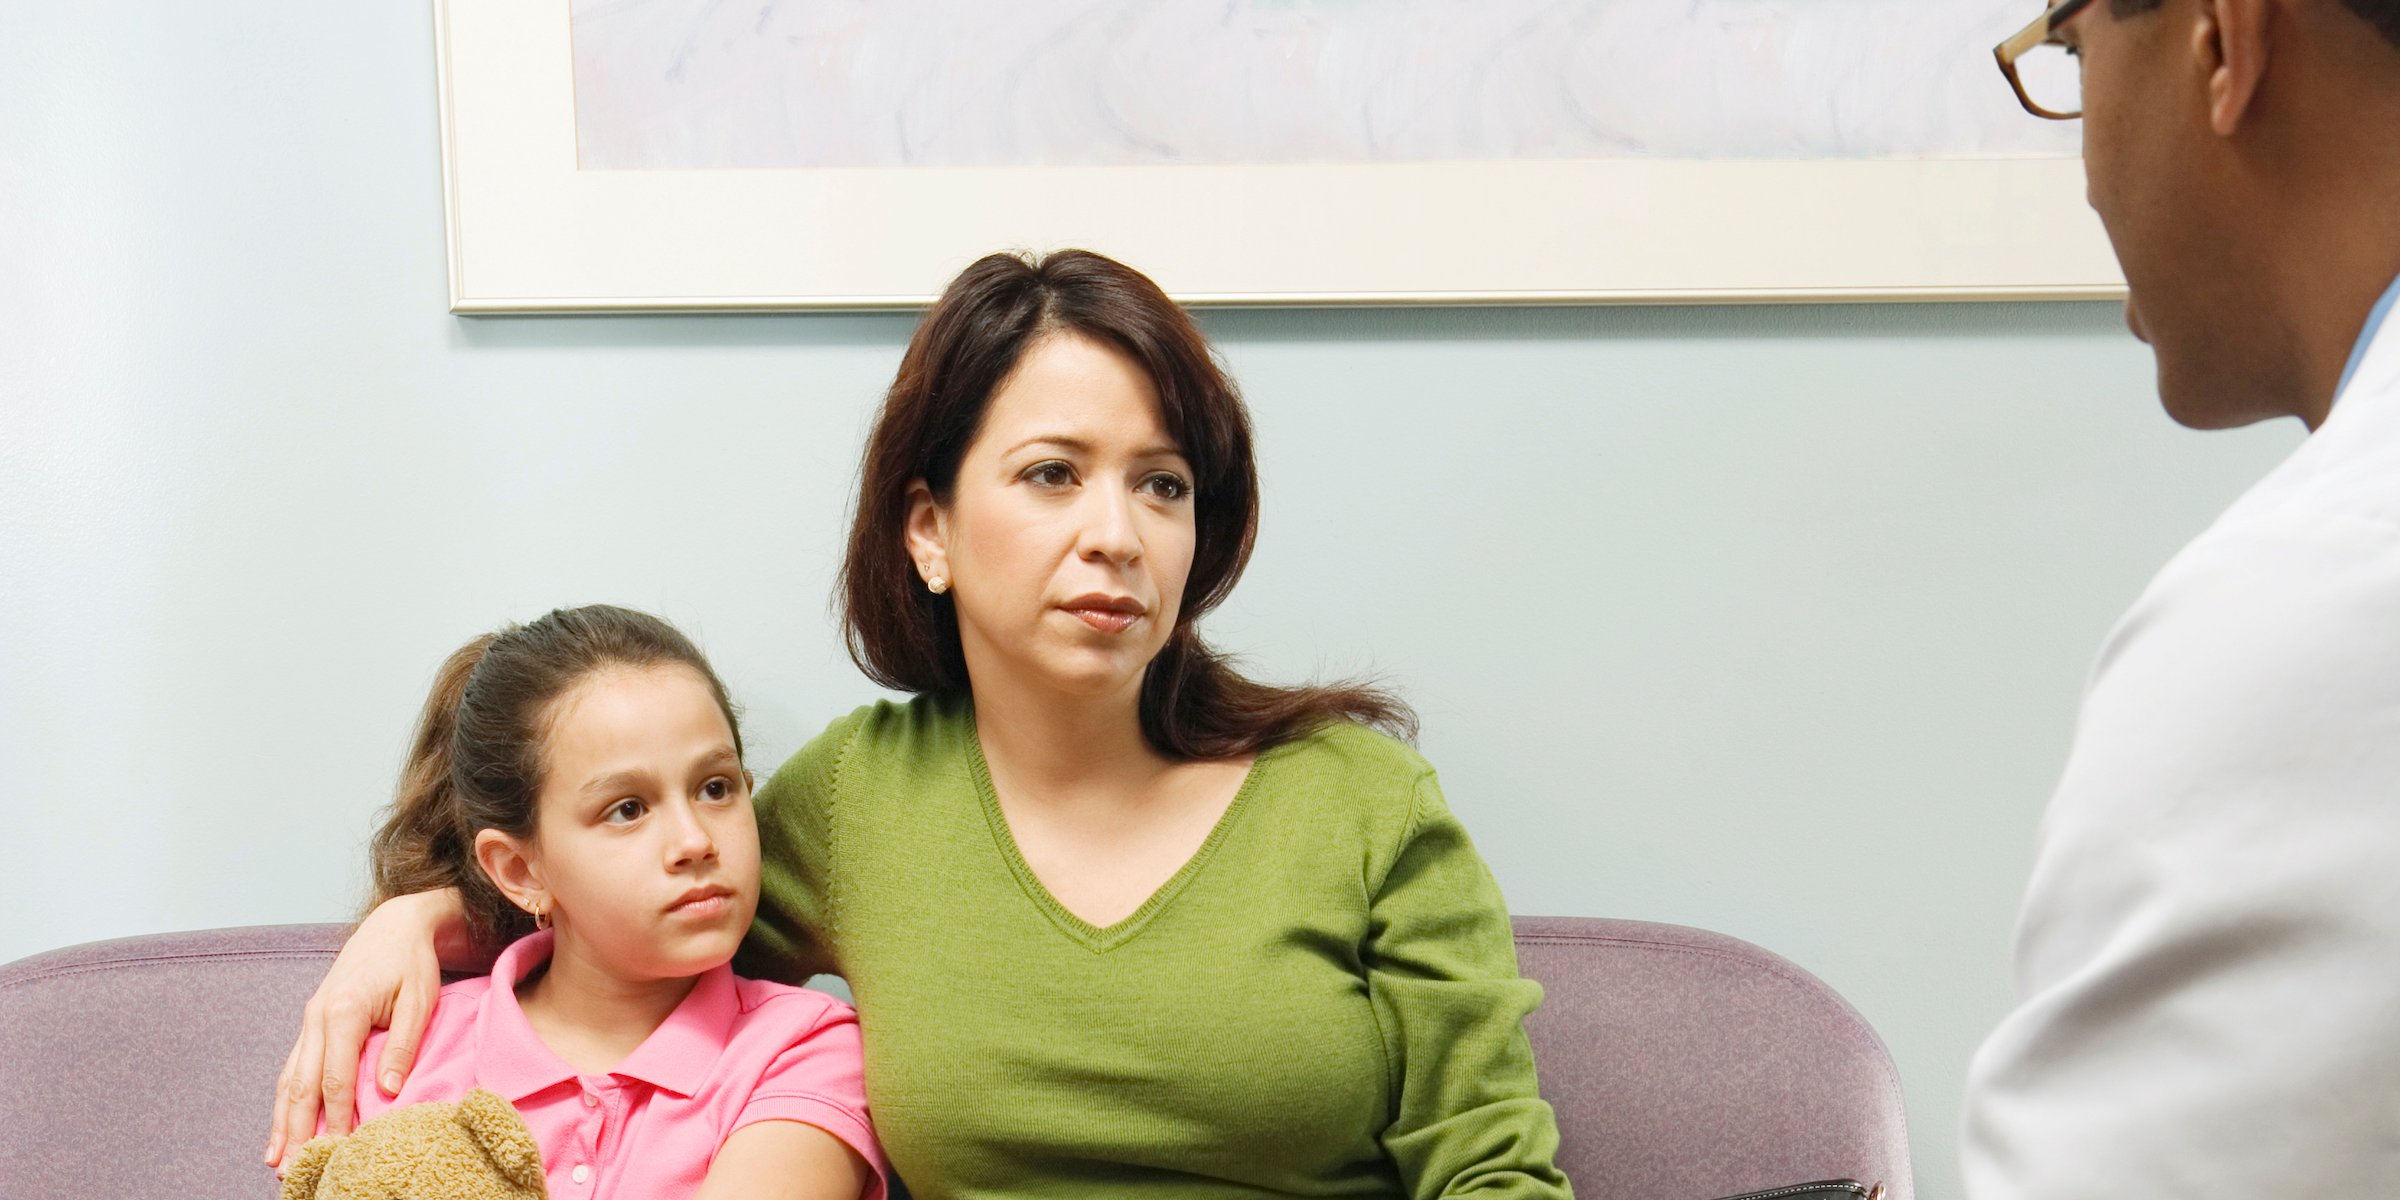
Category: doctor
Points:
column 2208, row 959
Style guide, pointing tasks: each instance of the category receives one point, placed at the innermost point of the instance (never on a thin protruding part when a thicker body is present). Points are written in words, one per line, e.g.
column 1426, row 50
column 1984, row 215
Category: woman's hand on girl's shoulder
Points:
column 387, row 976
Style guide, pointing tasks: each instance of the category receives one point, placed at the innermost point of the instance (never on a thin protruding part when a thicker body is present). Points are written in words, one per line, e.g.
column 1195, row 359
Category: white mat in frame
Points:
column 530, row 232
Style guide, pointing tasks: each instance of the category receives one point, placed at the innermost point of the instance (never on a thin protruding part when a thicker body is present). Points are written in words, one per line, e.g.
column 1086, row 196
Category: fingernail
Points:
column 391, row 1083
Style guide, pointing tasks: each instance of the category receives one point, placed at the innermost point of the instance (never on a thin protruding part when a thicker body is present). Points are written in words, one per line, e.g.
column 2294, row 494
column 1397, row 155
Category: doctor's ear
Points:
column 2229, row 42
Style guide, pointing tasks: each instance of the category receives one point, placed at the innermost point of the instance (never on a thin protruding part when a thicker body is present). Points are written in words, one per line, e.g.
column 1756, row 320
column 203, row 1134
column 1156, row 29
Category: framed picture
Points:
column 661, row 155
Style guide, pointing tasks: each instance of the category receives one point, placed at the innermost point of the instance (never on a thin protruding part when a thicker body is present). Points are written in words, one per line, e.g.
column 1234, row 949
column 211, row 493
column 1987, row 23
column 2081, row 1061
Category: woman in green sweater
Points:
column 1118, row 921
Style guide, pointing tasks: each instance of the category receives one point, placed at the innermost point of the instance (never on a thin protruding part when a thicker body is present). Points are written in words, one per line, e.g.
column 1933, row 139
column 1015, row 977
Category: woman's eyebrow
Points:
column 1060, row 440
column 1073, row 444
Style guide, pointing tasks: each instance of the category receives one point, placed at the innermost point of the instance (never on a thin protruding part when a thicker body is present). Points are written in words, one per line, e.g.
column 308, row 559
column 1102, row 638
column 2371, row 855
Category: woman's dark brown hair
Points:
column 476, row 760
column 1193, row 704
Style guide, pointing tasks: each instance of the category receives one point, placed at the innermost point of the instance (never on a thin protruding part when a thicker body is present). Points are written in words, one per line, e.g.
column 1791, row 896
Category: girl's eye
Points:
column 719, row 788
column 1167, row 485
column 624, row 811
column 1050, row 474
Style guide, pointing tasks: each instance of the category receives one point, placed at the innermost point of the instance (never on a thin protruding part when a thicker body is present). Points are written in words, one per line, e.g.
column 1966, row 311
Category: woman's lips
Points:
column 1106, row 620
column 1104, row 612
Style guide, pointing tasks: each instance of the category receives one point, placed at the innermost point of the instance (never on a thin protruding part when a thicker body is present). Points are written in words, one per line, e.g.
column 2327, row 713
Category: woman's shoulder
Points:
column 1360, row 757
column 884, row 731
column 911, row 725
column 1343, row 784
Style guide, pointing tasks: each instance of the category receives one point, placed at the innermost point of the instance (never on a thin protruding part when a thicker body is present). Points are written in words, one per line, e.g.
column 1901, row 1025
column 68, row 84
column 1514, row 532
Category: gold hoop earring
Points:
column 541, row 916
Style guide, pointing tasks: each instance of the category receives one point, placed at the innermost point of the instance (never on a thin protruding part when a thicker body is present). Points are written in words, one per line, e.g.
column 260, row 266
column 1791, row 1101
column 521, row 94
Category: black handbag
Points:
column 1830, row 1189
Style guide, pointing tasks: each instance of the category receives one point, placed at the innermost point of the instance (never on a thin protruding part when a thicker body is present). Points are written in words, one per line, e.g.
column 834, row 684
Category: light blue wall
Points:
column 1767, row 620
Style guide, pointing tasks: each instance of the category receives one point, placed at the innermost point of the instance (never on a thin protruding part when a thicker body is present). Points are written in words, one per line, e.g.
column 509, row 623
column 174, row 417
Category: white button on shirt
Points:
column 582, row 1173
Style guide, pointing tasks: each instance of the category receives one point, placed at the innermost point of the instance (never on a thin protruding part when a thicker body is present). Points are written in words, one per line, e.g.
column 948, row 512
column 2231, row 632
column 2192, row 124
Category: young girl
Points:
column 579, row 780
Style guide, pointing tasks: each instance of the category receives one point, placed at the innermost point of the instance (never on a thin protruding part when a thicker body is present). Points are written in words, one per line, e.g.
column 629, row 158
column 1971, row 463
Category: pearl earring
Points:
column 936, row 584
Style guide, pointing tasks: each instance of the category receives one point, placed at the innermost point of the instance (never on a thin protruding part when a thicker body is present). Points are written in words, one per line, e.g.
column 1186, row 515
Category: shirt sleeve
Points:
column 818, row 1081
column 1442, row 976
column 794, row 935
column 2208, row 957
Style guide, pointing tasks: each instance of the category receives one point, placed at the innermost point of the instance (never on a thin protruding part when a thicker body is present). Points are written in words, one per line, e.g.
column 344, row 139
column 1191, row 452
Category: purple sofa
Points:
column 1683, row 1064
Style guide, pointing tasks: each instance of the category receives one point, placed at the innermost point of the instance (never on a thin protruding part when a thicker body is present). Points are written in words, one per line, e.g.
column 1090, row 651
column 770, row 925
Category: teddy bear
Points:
column 476, row 1149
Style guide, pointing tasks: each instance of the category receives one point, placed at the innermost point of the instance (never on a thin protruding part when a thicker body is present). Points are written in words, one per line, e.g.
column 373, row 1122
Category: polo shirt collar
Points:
column 511, row 1059
column 678, row 1055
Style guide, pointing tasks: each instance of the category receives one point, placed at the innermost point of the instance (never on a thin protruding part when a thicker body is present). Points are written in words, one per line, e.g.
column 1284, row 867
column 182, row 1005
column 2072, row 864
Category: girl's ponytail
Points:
column 425, row 842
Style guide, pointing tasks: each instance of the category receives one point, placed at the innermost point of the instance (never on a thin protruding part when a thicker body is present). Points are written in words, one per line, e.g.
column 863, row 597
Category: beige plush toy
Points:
column 476, row 1149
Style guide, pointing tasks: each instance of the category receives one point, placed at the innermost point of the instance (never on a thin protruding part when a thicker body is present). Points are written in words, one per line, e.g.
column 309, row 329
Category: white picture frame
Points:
column 528, row 232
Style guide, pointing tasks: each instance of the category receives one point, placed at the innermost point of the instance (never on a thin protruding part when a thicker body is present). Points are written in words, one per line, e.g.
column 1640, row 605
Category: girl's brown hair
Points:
column 1193, row 704
column 476, row 760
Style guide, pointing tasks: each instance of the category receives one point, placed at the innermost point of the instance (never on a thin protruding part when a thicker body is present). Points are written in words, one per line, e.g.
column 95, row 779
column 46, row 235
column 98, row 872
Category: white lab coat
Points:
column 2208, row 959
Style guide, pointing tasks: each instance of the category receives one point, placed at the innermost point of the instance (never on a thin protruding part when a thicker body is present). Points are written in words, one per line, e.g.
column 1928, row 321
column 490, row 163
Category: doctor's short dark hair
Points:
column 2384, row 15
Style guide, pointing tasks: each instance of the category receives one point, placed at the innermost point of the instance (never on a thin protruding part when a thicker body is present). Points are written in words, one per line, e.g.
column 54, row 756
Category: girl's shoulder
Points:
column 444, row 1067
column 778, row 1020
column 456, row 1011
column 766, row 1000
column 794, row 1054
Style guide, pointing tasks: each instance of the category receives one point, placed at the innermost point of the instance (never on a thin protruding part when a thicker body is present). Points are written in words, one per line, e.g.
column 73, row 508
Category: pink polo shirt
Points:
column 735, row 1052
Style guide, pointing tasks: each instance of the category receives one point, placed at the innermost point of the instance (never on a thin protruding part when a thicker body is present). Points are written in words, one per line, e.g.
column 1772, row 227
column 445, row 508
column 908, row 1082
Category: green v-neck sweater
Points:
column 1323, row 1002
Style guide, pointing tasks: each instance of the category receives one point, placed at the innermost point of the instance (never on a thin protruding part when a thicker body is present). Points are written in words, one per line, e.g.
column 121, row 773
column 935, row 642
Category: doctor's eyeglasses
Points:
column 2044, row 70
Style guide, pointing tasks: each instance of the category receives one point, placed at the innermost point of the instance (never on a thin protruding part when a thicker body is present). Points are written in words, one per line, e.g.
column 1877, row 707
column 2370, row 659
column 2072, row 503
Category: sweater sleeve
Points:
column 795, row 935
column 1442, row 976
